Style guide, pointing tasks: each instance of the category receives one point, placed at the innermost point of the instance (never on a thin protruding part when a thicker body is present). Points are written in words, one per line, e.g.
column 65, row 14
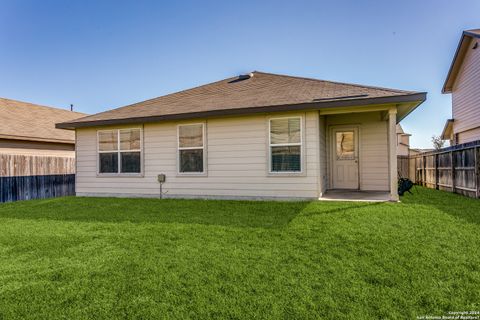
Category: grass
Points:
column 94, row 258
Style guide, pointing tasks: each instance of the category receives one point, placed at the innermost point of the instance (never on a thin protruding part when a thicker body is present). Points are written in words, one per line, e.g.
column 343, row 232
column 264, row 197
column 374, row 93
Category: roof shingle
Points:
column 27, row 121
column 257, row 92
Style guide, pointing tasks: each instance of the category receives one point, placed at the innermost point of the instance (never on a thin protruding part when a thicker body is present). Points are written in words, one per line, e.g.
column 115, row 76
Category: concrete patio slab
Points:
column 355, row 195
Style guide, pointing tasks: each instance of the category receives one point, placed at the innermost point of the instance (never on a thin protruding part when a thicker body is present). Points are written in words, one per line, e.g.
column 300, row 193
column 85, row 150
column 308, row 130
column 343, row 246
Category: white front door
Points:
column 345, row 158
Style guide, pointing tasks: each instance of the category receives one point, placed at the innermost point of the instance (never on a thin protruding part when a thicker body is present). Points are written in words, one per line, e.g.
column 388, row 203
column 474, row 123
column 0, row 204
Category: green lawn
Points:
column 93, row 258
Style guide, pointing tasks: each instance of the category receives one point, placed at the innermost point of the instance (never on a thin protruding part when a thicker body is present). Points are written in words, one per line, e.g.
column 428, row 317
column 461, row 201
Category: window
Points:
column 286, row 145
column 345, row 145
column 191, row 148
column 119, row 151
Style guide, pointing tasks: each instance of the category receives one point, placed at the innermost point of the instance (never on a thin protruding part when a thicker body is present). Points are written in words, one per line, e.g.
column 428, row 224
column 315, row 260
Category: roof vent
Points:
column 241, row 77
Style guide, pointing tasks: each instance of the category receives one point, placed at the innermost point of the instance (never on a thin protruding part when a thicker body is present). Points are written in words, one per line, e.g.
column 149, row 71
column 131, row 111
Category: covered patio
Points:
column 358, row 152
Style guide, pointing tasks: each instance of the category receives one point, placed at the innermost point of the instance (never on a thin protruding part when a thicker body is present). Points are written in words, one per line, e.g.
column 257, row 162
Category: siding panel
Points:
column 237, row 162
column 466, row 97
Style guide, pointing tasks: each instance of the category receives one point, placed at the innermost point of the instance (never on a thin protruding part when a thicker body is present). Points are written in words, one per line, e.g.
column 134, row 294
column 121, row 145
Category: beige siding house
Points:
column 463, row 82
column 256, row 136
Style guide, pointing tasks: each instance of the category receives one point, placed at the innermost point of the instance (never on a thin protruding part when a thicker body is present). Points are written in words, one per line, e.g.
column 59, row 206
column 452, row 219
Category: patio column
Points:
column 392, row 153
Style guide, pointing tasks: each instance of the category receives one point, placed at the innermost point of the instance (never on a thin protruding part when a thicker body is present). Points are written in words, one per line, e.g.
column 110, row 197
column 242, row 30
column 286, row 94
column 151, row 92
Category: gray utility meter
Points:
column 161, row 180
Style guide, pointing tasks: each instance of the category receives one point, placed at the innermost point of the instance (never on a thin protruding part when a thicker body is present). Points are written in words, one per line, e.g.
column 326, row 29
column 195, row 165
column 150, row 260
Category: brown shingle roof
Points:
column 260, row 92
column 26, row 121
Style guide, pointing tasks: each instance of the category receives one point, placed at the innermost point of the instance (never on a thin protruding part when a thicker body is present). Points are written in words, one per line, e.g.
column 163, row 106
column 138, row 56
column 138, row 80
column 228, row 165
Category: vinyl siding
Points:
column 27, row 147
column 469, row 135
column 466, row 96
column 237, row 162
column 373, row 148
column 402, row 149
column 403, row 143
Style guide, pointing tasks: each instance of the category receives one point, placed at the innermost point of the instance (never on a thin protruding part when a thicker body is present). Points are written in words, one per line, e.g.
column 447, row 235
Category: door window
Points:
column 345, row 145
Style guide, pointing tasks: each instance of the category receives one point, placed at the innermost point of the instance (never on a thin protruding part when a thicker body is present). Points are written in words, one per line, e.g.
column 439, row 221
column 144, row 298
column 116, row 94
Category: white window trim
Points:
column 203, row 147
column 300, row 144
column 119, row 174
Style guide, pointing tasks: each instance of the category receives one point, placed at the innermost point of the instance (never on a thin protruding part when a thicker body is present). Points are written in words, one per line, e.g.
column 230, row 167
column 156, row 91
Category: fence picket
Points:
column 36, row 187
column 24, row 177
column 33, row 165
column 455, row 169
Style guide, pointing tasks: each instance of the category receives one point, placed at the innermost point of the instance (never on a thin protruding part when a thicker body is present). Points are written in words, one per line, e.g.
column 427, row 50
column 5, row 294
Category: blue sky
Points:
column 100, row 55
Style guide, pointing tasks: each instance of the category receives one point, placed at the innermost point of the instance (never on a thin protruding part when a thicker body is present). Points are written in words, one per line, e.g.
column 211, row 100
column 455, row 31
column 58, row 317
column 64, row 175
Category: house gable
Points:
column 458, row 59
column 466, row 91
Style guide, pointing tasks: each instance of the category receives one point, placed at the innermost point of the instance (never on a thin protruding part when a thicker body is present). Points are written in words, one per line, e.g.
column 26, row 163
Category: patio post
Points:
column 392, row 153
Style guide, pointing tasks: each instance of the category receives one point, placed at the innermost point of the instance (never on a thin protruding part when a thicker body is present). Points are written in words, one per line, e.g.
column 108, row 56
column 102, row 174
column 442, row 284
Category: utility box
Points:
column 161, row 178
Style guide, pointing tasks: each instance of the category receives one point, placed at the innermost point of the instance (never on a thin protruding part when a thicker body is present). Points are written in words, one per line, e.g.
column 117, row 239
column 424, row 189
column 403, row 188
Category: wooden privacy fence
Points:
column 25, row 177
column 36, row 187
column 404, row 165
column 31, row 165
column 454, row 169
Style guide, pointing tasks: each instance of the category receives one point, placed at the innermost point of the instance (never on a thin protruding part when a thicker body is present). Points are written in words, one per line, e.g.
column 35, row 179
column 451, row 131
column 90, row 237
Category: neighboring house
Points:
column 463, row 82
column 259, row 135
column 403, row 142
column 29, row 129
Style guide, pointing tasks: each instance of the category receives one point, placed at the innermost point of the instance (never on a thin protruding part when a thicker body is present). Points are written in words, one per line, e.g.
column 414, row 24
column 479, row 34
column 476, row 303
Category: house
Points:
column 258, row 135
column 463, row 82
column 403, row 142
column 29, row 129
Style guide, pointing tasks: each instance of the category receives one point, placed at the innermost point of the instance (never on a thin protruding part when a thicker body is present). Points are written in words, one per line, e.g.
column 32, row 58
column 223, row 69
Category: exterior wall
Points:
column 405, row 139
column 237, row 162
column 373, row 148
column 468, row 135
column 466, row 96
column 402, row 149
column 11, row 146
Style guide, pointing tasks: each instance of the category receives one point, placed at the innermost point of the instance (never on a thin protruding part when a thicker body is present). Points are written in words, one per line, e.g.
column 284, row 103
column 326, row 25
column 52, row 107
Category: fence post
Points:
column 436, row 171
column 408, row 166
column 452, row 171
column 424, row 175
